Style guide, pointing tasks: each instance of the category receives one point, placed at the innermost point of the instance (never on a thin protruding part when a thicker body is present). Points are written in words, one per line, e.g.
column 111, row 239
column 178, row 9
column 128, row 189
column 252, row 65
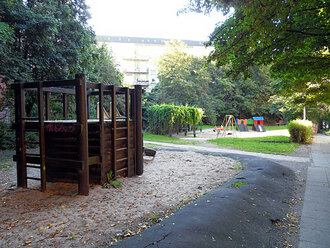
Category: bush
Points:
column 301, row 131
column 7, row 137
column 163, row 118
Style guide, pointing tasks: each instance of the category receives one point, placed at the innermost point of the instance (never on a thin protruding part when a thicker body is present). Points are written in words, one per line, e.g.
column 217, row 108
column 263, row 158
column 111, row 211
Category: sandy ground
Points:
column 61, row 218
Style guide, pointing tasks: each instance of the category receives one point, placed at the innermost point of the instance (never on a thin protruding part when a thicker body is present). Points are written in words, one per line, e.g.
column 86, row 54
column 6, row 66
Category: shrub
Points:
column 7, row 137
column 301, row 131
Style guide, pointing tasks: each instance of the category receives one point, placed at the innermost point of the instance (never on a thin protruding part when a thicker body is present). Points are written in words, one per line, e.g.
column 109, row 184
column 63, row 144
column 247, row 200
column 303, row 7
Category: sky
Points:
column 150, row 18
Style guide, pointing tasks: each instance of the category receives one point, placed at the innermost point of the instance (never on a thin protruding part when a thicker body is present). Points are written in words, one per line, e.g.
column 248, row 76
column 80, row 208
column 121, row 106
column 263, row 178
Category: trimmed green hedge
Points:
column 163, row 118
column 301, row 131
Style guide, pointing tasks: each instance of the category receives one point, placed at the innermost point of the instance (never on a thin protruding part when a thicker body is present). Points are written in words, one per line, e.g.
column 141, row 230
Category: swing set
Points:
column 228, row 127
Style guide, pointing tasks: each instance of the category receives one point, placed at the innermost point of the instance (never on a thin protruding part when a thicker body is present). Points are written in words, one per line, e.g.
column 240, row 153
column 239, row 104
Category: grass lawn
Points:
column 205, row 127
column 167, row 139
column 269, row 144
column 272, row 128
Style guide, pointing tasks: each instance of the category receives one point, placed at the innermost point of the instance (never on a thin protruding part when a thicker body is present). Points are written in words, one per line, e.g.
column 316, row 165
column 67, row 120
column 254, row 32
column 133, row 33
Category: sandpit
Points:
column 61, row 218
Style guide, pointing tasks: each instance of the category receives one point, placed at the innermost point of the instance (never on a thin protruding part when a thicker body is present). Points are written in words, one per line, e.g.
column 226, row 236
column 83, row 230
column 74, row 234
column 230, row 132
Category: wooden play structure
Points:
column 81, row 150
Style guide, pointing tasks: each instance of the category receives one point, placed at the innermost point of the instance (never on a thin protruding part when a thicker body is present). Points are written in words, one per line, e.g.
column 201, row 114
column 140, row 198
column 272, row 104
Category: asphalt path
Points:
column 252, row 215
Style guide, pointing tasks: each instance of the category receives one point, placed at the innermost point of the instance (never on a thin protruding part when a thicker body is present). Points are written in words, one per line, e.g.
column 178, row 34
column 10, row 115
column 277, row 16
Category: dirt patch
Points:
column 61, row 218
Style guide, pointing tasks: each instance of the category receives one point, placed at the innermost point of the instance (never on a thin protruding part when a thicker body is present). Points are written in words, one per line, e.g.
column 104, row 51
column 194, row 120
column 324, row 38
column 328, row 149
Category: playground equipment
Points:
column 228, row 127
column 218, row 130
column 258, row 124
column 242, row 125
column 83, row 150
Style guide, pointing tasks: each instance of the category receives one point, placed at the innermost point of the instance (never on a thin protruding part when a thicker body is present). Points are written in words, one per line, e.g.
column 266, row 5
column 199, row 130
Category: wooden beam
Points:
column 47, row 84
column 65, row 106
column 81, row 106
column 114, row 128
column 42, row 144
column 59, row 90
column 138, row 121
column 102, row 148
column 130, row 172
column 47, row 100
column 20, row 134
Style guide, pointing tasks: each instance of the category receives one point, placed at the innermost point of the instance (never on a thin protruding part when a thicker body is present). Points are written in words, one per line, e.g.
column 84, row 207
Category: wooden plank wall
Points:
column 63, row 144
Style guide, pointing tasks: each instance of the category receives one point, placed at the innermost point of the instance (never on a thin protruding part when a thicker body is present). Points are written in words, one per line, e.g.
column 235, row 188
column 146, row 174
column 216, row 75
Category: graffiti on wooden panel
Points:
column 59, row 128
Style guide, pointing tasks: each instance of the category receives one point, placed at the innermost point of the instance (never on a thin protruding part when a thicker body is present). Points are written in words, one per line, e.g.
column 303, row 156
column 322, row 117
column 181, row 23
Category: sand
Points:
column 61, row 218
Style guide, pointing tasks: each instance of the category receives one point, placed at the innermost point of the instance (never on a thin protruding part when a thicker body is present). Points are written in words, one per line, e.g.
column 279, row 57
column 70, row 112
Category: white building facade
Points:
column 137, row 57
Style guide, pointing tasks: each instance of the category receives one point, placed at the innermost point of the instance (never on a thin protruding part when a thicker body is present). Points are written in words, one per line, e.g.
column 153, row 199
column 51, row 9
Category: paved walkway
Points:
column 245, row 216
column 268, row 185
column 315, row 219
column 231, row 151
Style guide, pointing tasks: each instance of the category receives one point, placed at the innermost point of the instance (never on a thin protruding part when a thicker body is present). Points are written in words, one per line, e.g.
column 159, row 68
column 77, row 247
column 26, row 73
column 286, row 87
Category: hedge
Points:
column 301, row 131
column 163, row 118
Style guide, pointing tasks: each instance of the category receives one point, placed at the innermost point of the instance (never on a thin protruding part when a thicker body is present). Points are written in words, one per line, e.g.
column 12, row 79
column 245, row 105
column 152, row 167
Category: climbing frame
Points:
column 81, row 150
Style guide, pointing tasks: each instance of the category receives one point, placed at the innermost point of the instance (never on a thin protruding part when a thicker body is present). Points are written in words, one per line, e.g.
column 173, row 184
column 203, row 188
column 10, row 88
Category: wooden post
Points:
column 81, row 105
column 101, row 120
column 20, row 134
column 127, row 105
column 42, row 149
column 114, row 129
column 88, row 105
column 65, row 106
column 139, row 137
column 47, row 100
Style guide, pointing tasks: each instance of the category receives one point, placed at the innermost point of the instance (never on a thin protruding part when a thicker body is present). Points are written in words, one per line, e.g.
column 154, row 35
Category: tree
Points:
column 291, row 36
column 50, row 39
column 174, row 71
column 101, row 66
column 189, row 80
column 243, row 98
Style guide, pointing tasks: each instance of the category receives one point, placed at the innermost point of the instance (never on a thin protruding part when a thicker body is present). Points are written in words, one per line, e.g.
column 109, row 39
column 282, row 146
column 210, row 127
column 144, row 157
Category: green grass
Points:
column 272, row 128
column 167, row 139
column 275, row 144
column 238, row 184
column 205, row 127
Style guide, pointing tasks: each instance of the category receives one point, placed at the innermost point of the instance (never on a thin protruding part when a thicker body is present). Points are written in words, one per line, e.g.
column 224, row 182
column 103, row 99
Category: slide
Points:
column 240, row 127
column 261, row 128
column 245, row 128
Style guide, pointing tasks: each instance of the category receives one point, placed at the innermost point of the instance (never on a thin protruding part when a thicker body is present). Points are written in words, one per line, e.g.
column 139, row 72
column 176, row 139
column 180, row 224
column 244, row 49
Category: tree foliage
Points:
column 50, row 39
column 189, row 80
column 291, row 36
column 162, row 118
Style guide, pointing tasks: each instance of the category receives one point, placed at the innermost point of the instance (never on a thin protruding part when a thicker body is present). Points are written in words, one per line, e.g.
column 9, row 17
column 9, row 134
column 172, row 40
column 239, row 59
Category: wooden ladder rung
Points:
column 120, row 170
column 121, row 149
column 121, row 159
column 121, row 128
column 123, row 138
column 33, row 166
column 34, row 178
